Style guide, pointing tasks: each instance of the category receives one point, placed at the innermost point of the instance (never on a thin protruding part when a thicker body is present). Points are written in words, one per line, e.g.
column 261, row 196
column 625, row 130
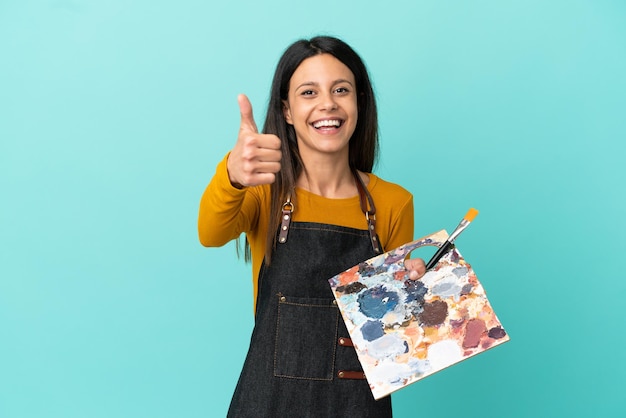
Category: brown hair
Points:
column 363, row 146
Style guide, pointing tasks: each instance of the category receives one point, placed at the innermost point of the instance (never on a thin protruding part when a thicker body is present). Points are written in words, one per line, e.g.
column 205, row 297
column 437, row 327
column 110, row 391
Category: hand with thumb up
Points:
column 255, row 159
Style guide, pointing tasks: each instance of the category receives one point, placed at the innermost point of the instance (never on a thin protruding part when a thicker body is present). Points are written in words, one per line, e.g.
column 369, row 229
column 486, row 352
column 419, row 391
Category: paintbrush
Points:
column 449, row 244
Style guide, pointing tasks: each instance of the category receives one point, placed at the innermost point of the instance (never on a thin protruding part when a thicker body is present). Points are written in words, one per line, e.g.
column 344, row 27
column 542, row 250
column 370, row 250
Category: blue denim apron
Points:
column 301, row 362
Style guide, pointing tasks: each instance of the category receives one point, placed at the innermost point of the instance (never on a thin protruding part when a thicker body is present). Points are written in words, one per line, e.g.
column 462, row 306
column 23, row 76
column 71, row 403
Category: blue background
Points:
column 113, row 115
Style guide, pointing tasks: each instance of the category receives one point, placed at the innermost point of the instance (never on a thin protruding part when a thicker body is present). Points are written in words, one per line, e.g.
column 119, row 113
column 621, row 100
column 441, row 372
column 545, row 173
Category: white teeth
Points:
column 327, row 122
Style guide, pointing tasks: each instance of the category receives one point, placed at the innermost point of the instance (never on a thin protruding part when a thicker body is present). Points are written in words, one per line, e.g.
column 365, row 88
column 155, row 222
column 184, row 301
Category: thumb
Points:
column 247, row 118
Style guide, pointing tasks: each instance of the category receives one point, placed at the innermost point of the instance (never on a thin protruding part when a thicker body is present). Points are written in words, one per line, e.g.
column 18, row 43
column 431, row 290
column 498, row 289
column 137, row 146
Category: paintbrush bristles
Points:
column 470, row 215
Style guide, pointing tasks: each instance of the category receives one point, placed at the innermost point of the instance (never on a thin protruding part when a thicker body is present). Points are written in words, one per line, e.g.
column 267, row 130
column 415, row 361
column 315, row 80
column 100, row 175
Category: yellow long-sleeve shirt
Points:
column 226, row 212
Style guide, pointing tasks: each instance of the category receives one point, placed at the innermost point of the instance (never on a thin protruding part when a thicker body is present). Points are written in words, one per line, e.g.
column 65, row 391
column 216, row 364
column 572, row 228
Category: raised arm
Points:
column 230, row 205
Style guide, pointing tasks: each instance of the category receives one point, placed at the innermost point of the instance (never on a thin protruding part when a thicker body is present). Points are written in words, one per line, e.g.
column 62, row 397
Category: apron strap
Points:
column 285, row 220
column 370, row 214
column 365, row 199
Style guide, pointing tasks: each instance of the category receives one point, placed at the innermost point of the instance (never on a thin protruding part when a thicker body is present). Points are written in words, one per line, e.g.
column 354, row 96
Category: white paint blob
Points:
column 444, row 353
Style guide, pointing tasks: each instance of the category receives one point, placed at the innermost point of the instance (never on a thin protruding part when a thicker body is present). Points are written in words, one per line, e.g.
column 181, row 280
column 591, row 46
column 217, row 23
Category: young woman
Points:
column 303, row 193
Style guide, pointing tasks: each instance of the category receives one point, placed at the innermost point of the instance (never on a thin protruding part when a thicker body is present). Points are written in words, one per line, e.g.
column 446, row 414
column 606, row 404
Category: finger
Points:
column 270, row 155
column 269, row 141
column 416, row 267
column 264, row 178
column 247, row 118
column 267, row 168
column 263, row 173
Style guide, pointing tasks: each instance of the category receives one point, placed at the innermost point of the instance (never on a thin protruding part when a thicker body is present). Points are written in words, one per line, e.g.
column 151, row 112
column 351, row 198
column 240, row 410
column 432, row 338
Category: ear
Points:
column 287, row 112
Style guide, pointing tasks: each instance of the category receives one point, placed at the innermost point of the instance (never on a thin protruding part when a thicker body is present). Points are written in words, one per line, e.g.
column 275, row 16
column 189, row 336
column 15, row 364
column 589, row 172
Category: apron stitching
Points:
column 319, row 379
column 308, row 305
column 335, row 345
column 276, row 339
column 364, row 232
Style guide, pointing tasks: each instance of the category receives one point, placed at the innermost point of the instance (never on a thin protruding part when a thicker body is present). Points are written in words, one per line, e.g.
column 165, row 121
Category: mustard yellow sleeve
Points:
column 401, row 228
column 225, row 211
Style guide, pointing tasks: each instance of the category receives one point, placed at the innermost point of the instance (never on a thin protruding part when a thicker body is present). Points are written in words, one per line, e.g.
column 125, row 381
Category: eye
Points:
column 307, row 93
column 342, row 90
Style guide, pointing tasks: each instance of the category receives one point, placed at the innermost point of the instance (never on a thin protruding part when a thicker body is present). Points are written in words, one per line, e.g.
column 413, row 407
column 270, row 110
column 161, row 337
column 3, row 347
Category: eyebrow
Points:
column 314, row 83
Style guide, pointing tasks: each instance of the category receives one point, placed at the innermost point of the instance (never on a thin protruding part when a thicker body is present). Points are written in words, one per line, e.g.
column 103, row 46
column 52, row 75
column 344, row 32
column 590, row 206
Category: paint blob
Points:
column 353, row 287
column 442, row 353
column 496, row 333
column 415, row 291
column 434, row 313
column 377, row 301
column 387, row 346
column 474, row 331
column 372, row 330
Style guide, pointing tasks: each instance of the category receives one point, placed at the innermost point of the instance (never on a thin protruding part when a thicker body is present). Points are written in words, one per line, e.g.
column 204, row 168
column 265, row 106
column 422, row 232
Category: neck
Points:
column 328, row 179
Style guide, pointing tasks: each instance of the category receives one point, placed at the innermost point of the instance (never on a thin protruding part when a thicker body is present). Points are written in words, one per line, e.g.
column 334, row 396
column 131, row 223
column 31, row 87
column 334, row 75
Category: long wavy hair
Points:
column 363, row 145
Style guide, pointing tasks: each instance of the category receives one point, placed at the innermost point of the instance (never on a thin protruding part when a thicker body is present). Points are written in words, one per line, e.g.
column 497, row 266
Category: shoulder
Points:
column 394, row 211
column 388, row 191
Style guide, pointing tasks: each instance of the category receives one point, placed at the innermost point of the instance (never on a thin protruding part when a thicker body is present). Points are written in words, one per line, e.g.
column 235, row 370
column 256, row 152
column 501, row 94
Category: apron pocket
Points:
column 306, row 338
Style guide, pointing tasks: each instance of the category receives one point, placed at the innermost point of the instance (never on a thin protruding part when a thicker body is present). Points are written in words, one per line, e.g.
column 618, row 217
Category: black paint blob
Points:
column 496, row 332
column 353, row 287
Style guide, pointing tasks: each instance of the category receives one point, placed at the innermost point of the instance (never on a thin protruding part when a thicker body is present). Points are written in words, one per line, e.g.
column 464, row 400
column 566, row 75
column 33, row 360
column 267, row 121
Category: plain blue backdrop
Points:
column 114, row 114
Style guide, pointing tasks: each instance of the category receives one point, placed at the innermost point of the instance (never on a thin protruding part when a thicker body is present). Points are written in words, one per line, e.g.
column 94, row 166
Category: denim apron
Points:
column 301, row 362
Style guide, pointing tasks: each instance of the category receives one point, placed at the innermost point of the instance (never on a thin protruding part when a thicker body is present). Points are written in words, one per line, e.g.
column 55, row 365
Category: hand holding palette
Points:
column 404, row 330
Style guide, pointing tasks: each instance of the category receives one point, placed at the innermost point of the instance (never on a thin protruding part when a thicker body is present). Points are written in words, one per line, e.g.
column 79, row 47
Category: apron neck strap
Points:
column 368, row 208
column 285, row 219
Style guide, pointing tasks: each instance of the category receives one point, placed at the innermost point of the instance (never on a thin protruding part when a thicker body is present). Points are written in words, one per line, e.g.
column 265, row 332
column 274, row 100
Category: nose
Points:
column 328, row 101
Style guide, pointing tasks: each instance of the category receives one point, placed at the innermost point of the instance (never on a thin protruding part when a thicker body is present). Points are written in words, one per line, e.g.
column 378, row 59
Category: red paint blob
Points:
column 474, row 330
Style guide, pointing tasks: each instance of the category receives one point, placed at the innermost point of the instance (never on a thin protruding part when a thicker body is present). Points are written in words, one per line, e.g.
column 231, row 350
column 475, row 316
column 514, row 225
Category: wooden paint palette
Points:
column 404, row 330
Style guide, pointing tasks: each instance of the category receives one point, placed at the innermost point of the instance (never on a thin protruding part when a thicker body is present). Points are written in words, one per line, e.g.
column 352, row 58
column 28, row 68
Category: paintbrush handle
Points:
column 445, row 247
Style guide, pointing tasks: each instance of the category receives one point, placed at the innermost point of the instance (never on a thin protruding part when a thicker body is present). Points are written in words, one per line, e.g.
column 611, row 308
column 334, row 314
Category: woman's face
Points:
column 322, row 106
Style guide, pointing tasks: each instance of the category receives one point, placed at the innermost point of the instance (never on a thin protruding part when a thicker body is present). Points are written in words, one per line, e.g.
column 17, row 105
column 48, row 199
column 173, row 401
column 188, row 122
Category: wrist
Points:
column 233, row 181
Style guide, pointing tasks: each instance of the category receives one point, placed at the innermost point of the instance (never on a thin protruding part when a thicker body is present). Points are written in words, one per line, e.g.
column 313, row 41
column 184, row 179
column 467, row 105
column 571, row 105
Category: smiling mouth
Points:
column 327, row 123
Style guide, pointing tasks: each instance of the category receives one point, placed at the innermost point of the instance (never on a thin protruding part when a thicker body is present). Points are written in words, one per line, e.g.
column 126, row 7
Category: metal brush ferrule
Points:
column 462, row 225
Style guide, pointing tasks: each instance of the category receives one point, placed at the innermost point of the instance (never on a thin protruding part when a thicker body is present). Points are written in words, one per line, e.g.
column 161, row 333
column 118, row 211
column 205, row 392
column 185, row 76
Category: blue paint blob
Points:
column 372, row 330
column 443, row 287
column 366, row 270
column 446, row 289
column 377, row 301
column 415, row 290
column 467, row 289
column 460, row 271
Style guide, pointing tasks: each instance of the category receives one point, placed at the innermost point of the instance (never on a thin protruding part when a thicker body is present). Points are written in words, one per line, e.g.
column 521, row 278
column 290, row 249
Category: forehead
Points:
column 320, row 69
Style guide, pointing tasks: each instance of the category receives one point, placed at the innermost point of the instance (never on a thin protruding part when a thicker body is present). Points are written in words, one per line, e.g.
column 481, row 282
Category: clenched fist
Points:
column 255, row 159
